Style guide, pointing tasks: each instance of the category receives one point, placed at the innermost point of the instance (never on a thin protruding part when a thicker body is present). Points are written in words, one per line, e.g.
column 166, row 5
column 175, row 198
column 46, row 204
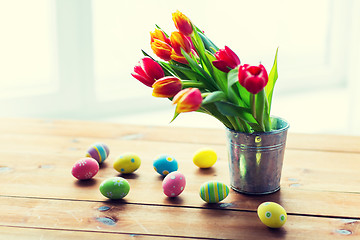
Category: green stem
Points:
column 189, row 84
column 252, row 104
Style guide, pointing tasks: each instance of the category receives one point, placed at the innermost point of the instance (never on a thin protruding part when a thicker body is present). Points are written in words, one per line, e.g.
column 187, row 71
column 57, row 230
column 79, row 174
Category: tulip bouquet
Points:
column 198, row 76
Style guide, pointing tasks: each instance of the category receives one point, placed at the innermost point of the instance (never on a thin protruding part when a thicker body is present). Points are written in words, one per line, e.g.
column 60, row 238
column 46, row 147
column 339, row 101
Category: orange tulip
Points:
column 179, row 58
column 160, row 35
column 188, row 100
column 167, row 87
column 161, row 49
column 180, row 41
column 182, row 23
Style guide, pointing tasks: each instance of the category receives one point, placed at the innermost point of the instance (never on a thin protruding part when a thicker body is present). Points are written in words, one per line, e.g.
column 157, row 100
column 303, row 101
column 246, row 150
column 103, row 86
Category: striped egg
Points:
column 98, row 151
column 213, row 191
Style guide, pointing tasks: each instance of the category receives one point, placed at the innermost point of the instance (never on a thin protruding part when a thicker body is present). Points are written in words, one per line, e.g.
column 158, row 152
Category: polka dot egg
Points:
column 127, row 163
column 115, row 188
column 204, row 158
column 165, row 164
column 85, row 168
column 272, row 214
column 213, row 191
column 174, row 184
column 98, row 151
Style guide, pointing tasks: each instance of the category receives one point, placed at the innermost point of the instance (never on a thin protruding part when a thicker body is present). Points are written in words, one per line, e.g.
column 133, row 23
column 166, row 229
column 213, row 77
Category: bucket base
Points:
column 256, row 193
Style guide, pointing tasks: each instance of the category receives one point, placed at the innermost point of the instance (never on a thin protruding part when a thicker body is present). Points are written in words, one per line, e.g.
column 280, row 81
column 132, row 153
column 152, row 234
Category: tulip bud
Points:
column 188, row 100
column 226, row 60
column 180, row 41
column 160, row 35
column 253, row 78
column 161, row 49
column 148, row 71
column 182, row 23
column 167, row 87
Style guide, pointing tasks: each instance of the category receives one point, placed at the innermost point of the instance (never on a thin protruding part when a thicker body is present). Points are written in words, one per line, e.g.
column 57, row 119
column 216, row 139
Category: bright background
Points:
column 66, row 59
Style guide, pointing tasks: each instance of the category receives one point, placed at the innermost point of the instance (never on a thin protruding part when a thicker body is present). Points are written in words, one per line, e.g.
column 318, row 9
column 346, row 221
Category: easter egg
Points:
column 127, row 163
column 204, row 157
column 98, row 151
column 115, row 188
column 272, row 214
column 85, row 168
column 214, row 191
column 174, row 184
column 165, row 164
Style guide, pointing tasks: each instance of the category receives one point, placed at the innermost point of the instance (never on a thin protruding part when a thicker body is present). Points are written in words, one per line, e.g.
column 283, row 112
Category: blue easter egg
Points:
column 165, row 164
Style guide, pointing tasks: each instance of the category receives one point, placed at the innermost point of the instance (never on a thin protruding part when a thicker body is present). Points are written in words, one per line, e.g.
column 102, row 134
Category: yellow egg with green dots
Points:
column 205, row 158
column 272, row 214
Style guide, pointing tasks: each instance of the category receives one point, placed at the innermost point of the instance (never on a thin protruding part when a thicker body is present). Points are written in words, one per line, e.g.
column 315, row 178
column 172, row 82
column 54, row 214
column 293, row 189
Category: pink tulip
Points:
column 148, row 71
column 226, row 60
column 253, row 78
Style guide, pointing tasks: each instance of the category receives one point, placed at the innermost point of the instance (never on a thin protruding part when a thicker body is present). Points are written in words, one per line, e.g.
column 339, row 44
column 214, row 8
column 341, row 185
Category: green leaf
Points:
column 220, row 76
column 229, row 109
column 176, row 114
column 209, row 45
column 214, row 97
column 273, row 76
column 208, row 80
column 232, row 77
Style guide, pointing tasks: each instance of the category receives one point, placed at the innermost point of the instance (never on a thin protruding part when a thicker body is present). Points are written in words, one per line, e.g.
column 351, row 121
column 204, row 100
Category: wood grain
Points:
column 165, row 221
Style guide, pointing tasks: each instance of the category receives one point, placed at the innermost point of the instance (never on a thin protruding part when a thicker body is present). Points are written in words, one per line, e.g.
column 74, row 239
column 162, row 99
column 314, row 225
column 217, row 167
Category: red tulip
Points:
column 182, row 23
column 180, row 41
column 161, row 49
column 188, row 100
column 226, row 60
column 147, row 71
column 253, row 78
column 167, row 87
column 160, row 35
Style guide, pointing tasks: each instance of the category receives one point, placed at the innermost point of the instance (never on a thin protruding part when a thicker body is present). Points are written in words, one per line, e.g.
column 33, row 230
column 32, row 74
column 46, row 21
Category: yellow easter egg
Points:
column 127, row 163
column 272, row 214
column 204, row 157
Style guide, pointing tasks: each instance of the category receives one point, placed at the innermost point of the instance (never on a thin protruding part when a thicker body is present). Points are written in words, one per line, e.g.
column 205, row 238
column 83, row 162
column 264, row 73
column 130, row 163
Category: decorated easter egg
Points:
column 213, row 191
column 272, row 214
column 174, row 184
column 115, row 188
column 127, row 163
column 98, row 151
column 165, row 164
column 204, row 157
column 85, row 168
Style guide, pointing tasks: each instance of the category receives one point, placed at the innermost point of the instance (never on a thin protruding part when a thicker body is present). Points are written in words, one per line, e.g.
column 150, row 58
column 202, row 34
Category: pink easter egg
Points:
column 173, row 184
column 85, row 168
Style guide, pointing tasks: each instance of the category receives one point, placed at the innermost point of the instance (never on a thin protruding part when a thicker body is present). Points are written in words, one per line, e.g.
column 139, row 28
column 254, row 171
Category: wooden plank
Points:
column 101, row 130
column 307, row 187
column 117, row 217
column 21, row 233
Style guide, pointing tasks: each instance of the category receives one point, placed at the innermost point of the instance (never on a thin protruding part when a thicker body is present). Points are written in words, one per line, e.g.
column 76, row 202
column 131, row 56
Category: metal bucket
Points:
column 256, row 159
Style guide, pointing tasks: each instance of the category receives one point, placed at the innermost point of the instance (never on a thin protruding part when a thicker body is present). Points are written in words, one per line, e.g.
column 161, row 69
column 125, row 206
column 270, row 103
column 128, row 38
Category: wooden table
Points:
column 40, row 199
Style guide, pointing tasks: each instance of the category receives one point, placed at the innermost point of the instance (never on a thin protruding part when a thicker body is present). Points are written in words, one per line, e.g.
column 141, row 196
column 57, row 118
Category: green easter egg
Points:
column 115, row 188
